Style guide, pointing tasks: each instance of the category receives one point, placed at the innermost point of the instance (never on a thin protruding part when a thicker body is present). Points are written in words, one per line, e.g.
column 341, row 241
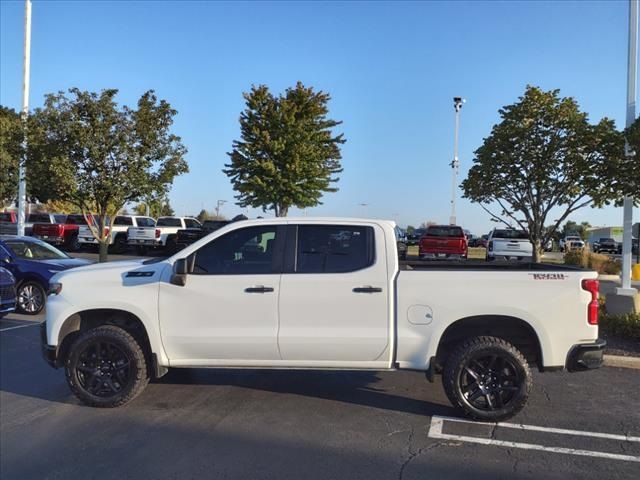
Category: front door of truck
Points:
column 334, row 298
column 228, row 309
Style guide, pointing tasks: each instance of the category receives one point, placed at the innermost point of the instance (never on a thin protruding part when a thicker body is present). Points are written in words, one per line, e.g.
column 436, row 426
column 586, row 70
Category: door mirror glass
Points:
column 180, row 270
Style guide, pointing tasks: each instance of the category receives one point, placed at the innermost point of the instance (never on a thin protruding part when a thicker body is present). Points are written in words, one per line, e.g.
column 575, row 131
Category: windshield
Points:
column 514, row 234
column 34, row 250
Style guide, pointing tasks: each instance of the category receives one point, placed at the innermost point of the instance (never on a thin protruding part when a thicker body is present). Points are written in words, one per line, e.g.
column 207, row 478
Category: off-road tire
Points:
column 476, row 348
column 138, row 373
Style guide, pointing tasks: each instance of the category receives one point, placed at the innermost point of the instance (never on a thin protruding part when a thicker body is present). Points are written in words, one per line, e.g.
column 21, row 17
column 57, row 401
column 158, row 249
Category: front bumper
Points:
column 49, row 352
column 8, row 307
column 586, row 356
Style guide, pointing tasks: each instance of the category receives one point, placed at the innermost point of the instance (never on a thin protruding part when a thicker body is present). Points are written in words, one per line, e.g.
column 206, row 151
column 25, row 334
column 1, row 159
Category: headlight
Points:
column 55, row 288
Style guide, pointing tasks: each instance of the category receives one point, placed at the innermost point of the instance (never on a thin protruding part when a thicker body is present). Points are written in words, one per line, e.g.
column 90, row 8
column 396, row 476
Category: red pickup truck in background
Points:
column 65, row 234
column 443, row 241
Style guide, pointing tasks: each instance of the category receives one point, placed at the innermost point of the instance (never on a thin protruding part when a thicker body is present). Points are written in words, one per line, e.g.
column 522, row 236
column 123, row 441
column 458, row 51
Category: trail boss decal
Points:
column 549, row 276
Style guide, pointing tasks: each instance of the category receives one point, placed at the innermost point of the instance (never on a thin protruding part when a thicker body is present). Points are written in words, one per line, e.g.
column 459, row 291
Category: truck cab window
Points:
column 334, row 248
column 191, row 223
column 240, row 252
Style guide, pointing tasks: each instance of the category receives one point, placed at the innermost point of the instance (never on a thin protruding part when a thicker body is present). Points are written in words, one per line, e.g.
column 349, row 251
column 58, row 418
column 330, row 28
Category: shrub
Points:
column 627, row 325
column 593, row 261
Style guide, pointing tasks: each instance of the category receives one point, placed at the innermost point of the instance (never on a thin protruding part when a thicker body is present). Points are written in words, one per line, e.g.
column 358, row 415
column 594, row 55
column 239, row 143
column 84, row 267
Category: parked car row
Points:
column 32, row 263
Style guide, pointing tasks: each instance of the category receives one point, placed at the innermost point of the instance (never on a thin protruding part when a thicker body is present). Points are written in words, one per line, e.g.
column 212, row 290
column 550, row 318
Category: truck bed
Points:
column 486, row 266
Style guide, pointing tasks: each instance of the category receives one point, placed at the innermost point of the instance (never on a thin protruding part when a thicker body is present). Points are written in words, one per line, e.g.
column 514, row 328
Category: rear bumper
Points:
column 51, row 240
column 441, row 255
column 586, row 356
column 148, row 243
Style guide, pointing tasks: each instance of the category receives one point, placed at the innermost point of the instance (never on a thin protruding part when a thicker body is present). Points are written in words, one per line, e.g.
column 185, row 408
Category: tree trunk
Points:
column 537, row 252
column 104, row 250
column 282, row 211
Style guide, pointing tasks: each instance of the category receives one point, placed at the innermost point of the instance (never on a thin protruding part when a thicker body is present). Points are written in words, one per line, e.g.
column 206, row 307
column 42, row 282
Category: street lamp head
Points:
column 457, row 103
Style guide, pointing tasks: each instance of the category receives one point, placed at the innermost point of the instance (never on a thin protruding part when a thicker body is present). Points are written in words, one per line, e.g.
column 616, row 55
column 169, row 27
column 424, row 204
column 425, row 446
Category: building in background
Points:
column 596, row 233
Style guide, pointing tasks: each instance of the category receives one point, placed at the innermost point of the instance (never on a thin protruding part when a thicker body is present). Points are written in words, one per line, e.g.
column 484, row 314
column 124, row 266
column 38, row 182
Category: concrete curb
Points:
column 622, row 362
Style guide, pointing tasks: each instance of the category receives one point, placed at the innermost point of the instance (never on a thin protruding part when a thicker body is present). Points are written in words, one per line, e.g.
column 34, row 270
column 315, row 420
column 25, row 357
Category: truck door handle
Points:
column 367, row 289
column 258, row 289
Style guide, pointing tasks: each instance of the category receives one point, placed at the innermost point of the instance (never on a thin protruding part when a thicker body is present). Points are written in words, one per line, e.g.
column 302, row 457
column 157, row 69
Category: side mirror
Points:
column 180, row 270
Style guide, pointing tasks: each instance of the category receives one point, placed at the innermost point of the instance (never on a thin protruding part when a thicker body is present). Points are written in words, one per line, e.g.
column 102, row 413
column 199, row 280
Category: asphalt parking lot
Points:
column 246, row 424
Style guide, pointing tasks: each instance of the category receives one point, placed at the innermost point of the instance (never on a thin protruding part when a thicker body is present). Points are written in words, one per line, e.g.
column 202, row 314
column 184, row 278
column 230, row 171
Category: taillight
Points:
column 157, row 233
column 592, row 286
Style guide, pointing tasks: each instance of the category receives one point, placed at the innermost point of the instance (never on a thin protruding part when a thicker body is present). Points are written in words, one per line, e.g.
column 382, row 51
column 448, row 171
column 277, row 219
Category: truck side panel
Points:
column 552, row 303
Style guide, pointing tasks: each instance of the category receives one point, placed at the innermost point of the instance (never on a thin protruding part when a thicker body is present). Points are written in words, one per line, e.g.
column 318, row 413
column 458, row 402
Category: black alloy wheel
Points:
column 103, row 369
column 106, row 367
column 487, row 378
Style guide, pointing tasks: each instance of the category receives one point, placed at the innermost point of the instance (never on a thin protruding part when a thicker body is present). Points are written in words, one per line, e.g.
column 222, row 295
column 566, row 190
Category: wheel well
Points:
column 32, row 278
column 89, row 319
column 514, row 330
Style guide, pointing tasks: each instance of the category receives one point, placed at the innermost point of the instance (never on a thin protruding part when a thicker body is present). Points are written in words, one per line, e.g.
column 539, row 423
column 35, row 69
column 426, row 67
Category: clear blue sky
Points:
column 391, row 69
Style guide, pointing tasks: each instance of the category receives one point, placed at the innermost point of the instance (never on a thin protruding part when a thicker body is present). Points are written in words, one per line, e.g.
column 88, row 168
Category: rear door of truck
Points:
column 334, row 298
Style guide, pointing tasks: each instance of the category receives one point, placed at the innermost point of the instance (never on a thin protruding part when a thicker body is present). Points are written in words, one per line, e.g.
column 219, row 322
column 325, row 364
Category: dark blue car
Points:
column 7, row 292
column 32, row 263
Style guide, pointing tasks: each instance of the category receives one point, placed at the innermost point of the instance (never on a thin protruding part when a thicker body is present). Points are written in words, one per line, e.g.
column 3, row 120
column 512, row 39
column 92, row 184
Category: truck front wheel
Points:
column 106, row 367
column 487, row 378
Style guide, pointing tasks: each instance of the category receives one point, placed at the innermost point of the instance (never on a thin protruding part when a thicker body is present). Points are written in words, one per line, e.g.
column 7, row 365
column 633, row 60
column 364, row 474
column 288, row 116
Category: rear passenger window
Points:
column 145, row 222
column 334, row 248
column 123, row 221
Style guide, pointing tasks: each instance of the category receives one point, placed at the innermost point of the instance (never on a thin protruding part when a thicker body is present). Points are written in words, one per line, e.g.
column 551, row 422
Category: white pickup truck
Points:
column 320, row 294
column 509, row 244
column 118, row 237
column 162, row 235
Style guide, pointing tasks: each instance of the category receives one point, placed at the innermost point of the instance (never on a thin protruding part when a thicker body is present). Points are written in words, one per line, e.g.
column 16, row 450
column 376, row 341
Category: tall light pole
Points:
column 219, row 203
column 26, row 66
column 455, row 164
column 632, row 70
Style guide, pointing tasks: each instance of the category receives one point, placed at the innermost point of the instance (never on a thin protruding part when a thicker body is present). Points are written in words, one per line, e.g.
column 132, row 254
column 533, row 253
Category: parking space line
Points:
column 563, row 431
column 20, row 326
column 435, row 431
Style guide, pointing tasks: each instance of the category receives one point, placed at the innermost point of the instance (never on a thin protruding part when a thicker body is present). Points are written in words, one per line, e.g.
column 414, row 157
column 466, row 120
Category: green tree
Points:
column 632, row 134
column 11, row 136
column 100, row 156
column 158, row 207
column 573, row 228
column 203, row 215
column 545, row 158
column 410, row 229
column 288, row 154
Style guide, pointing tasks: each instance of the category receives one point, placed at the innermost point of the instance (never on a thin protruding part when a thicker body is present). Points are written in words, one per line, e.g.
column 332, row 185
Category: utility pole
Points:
column 26, row 66
column 455, row 164
column 219, row 203
column 632, row 70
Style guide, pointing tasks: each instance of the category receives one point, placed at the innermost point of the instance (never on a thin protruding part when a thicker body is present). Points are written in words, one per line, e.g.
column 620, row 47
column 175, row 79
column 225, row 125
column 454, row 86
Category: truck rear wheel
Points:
column 487, row 378
column 106, row 367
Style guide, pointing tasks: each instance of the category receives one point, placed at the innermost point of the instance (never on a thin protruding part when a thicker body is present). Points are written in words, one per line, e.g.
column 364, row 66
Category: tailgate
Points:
column 84, row 233
column 47, row 230
column 141, row 233
column 516, row 247
column 442, row 245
